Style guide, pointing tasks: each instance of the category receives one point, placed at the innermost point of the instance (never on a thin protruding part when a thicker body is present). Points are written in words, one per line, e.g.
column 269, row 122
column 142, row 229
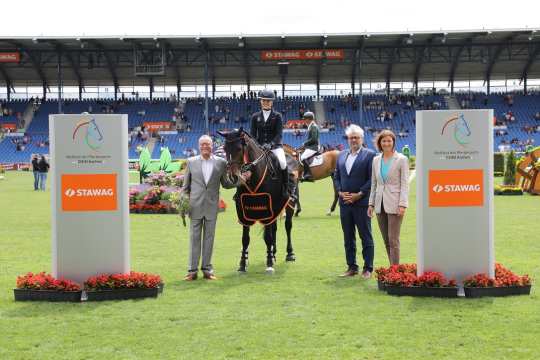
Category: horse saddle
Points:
column 315, row 160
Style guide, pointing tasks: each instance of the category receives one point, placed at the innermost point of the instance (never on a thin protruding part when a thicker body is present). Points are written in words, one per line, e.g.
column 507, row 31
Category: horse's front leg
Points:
column 269, row 240
column 288, row 228
column 245, row 245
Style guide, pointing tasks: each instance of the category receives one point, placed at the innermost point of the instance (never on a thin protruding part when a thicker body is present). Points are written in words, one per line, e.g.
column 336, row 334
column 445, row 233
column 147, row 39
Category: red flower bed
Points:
column 503, row 278
column 44, row 281
column 133, row 280
column 148, row 208
column 401, row 268
column 404, row 275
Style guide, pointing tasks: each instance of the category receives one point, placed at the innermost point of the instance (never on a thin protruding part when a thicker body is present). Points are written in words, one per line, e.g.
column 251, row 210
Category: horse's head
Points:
column 234, row 148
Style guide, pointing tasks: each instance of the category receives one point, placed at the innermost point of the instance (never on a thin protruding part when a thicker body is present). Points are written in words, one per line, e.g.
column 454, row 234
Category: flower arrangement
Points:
column 158, row 179
column 503, row 278
column 44, row 281
column 180, row 202
column 133, row 194
column 404, row 275
column 154, row 195
column 508, row 190
column 177, row 180
column 133, row 280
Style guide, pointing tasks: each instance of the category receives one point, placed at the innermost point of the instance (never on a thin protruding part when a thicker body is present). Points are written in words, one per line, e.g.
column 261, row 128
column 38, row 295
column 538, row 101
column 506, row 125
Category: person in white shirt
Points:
column 202, row 180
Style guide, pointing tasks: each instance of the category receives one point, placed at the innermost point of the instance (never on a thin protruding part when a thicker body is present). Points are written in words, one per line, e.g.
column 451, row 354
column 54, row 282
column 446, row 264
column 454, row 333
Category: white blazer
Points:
column 395, row 190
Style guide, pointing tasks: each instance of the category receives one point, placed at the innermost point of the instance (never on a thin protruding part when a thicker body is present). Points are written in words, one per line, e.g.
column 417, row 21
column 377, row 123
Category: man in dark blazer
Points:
column 352, row 180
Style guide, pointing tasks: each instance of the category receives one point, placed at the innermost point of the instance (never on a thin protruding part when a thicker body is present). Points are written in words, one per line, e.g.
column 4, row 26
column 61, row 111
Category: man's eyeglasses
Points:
column 353, row 137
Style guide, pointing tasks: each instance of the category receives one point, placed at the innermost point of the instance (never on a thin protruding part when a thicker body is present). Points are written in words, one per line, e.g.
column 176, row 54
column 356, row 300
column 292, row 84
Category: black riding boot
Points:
column 307, row 172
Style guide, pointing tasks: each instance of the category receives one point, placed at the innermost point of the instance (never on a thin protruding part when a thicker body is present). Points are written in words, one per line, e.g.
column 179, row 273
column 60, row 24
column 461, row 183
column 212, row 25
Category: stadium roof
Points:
column 379, row 57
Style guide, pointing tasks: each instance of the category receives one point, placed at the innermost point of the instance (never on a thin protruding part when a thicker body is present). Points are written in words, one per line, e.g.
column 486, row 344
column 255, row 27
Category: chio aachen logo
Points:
column 92, row 133
column 461, row 129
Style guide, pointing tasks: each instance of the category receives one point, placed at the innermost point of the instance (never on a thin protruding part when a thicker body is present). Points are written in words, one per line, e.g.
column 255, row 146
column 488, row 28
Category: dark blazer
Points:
column 312, row 141
column 35, row 165
column 269, row 132
column 359, row 180
column 43, row 166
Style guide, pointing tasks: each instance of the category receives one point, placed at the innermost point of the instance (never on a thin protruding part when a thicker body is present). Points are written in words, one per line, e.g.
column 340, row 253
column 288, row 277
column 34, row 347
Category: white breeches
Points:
column 306, row 154
column 280, row 154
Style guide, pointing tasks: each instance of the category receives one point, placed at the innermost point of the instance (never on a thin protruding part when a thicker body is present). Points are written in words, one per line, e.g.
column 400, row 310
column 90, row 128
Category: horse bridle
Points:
column 245, row 166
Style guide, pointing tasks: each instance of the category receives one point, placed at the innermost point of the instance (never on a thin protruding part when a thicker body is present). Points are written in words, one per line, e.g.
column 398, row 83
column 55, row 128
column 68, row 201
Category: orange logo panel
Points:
column 456, row 188
column 89, row 192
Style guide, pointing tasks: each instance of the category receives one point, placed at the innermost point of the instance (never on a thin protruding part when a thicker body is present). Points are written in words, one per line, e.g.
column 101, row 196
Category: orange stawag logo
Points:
column 89, row 192
column 456, row 188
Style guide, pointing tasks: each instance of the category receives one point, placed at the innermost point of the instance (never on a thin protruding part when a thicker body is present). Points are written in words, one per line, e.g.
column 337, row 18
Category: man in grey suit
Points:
column 202, row 178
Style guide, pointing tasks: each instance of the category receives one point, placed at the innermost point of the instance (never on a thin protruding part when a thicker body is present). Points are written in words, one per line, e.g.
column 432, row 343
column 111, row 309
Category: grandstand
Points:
column 206, row 84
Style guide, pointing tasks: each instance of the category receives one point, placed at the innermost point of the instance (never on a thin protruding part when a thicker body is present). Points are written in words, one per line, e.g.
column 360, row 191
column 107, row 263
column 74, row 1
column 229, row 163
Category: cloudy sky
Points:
column 162, row 18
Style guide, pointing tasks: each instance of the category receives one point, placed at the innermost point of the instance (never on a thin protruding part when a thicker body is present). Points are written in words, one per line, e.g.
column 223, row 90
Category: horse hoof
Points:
column 269, row 270
column 329, row 213
column 290, row 257
column 242, row 271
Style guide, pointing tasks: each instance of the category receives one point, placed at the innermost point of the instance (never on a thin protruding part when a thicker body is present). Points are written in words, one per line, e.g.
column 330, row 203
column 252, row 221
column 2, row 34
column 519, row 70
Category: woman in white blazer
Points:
column 389, row 197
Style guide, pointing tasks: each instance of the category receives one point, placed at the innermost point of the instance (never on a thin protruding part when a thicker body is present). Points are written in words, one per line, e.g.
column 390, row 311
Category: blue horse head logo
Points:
column 92, row 133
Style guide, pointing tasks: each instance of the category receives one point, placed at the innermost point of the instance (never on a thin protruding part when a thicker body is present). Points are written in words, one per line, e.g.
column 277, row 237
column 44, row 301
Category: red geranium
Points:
column 503, row 278
column 44, row 281
column 133, row 280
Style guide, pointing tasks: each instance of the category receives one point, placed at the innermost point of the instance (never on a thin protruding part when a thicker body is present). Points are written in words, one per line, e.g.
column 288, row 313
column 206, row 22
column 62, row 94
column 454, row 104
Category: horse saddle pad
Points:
column 256, row 206
column 316, row 161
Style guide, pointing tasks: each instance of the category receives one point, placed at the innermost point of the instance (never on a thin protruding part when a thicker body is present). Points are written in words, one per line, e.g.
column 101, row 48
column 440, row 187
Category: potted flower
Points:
column 44, row 287
column 382, row 272
column 133, row 285
column 180, row 202
column 402, row 280
column 505, row 283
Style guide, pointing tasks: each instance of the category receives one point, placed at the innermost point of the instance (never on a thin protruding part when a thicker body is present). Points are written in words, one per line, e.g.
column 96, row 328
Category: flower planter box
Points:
column 445, row 292
column 46, row 295
column 476, row 292
column 160, row 288
column 381, row 286
column 121, row 294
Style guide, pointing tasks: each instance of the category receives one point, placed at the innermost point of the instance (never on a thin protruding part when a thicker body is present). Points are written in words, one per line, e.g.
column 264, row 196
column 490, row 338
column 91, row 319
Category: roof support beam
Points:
column 421, row 55
column 394, row 54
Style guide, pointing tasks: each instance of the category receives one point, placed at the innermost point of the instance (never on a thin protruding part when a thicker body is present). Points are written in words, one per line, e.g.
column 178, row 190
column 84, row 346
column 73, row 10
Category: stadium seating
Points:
column 233, row 113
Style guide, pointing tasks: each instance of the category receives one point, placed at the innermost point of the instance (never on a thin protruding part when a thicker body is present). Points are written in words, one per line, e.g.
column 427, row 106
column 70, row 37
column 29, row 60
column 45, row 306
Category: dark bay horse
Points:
column 243, row 153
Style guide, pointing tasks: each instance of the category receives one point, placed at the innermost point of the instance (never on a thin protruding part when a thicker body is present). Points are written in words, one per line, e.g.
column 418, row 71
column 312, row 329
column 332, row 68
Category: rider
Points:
column 311, row 145
column 267, row 129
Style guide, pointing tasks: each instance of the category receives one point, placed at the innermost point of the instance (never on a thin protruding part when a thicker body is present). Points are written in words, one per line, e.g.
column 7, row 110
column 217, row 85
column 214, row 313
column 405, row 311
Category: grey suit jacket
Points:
column 395, row 191
column 204, row 198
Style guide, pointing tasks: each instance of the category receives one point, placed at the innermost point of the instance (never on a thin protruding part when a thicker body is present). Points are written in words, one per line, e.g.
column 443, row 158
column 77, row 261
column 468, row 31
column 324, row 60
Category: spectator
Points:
column 35, row 170
column 43, row 167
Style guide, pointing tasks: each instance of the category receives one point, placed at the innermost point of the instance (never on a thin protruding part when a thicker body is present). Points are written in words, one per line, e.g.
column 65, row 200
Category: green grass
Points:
column 303, row 311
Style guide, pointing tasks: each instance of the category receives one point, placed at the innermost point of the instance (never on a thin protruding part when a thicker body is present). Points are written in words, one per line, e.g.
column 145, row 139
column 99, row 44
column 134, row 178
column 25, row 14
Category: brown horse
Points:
column 319, row 172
